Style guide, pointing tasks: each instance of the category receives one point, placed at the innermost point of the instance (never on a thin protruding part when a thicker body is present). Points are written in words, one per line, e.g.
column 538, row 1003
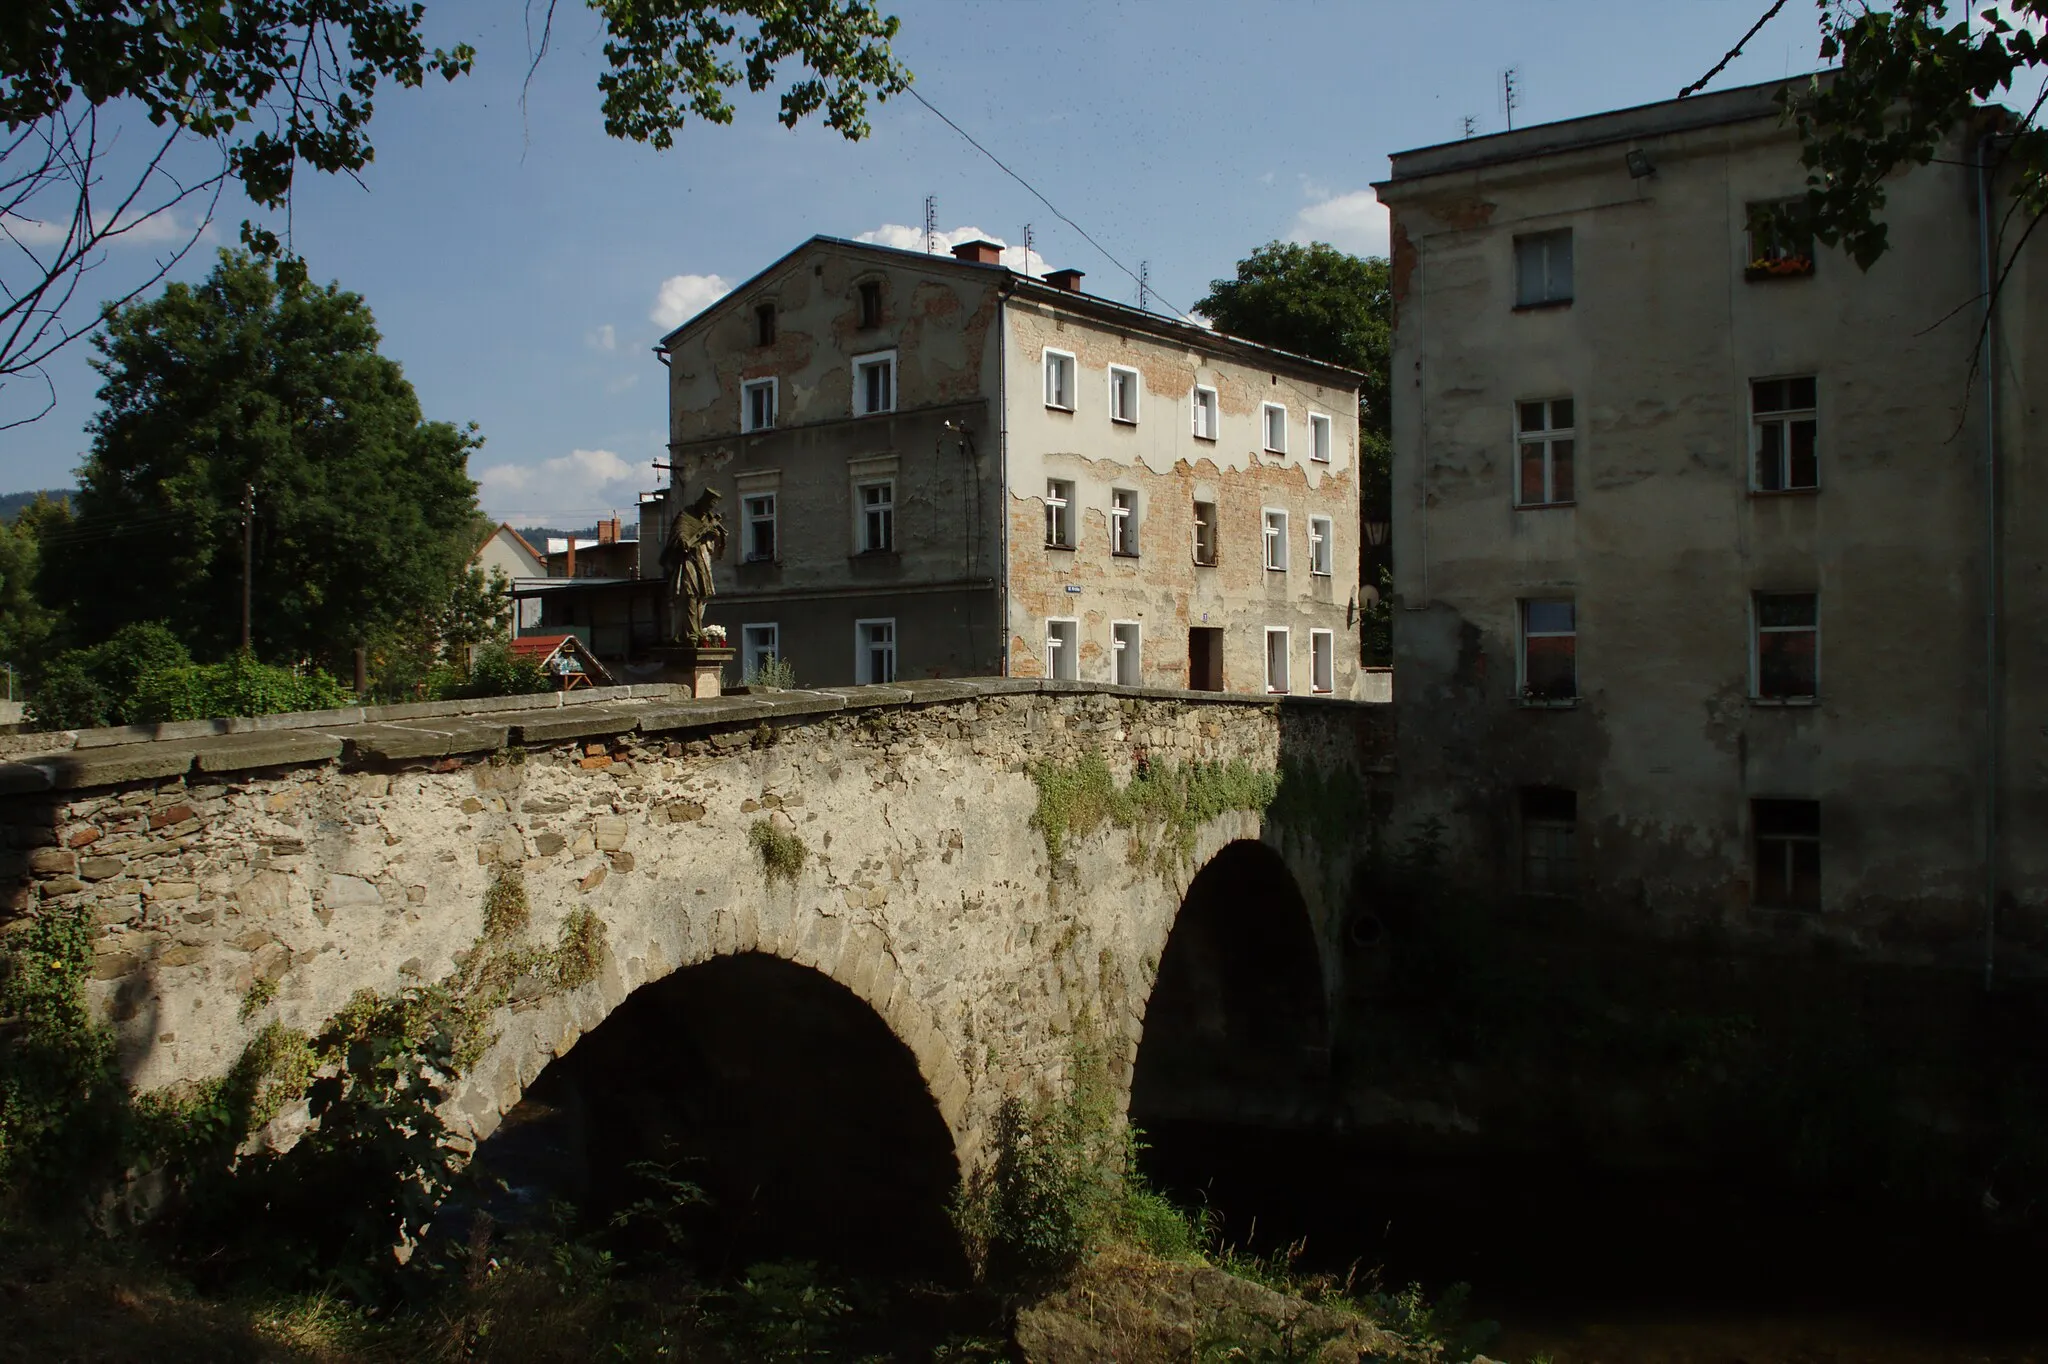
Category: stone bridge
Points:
column 817, row 911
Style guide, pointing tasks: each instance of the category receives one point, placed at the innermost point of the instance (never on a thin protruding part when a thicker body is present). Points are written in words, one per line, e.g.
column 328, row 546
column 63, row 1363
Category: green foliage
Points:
column 83, row 688
column 1075, row 799
column 1910, row 74
column 772, row 674
column 1331, row 306
column 1445, row 1326
column 365, row 513
column 258, row 997
column 784, row 1311
column 59, row 1089
column 239, row 686
column 507, row 911
column 782, row 853
column 26, row 623
column 497, row 671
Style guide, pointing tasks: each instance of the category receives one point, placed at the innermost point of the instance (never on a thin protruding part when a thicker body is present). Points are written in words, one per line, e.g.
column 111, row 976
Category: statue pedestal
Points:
column 701, row 667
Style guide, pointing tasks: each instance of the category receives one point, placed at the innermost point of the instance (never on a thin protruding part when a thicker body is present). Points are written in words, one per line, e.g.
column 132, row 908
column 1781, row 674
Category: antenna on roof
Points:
column 1471, row 126
column 1145, row 286
column 1508, row 79
column 1027, row 250
column 931, row 224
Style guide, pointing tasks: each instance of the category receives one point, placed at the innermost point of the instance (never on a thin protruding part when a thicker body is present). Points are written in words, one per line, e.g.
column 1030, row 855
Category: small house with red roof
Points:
column 567, row 661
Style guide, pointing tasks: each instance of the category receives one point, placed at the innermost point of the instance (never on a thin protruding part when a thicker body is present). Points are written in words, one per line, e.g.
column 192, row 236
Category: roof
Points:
column 1742, row 104
column 543, row 648
column 1012, row 283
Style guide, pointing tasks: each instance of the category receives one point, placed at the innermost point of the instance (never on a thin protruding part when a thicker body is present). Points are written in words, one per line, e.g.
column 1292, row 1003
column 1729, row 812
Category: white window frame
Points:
column 748, row 648
column 1266, row 428
column 1525, row 634
column 1549, row 437
column 863, row 363
column 1783, row 420
column 1286, row 657
column 1322, row 549
column 1055, row 649
column 1273, row 523
column 1123, row 522
column 749, row 518
column 1215, row 540
column 864, row 649
column 1137, row 394
column 748, row 389
column 1059, row 513
column 864, row 514
column 1547, row 241
column 1070, row 369
column 1757, row 630
column 1322, row 661
column 1207, row 413
column 1132, row 649
column 1322, row 437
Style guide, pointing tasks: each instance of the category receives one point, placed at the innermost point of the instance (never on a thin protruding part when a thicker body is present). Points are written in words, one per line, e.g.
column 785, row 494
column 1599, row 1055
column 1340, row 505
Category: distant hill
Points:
column 12, row 503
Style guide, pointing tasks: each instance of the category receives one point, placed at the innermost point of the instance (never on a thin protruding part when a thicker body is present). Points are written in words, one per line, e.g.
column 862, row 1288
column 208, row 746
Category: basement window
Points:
column 1550, row 645
column 1123, row 522
column 1787, row 853
column 1059, row 514
column 1550, row 841
column 1787, row 662
column 1205, row 534
column 1785, row 434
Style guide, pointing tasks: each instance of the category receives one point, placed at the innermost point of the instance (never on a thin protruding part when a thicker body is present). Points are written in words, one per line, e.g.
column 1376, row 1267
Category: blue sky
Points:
column 520, row 265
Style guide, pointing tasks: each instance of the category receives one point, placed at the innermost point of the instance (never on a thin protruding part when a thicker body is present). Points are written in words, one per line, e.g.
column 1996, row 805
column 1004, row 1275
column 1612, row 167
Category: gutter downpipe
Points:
column 1991, row 562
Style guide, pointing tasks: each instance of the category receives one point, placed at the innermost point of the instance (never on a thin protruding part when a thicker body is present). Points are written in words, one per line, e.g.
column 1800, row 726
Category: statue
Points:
column 695, row 538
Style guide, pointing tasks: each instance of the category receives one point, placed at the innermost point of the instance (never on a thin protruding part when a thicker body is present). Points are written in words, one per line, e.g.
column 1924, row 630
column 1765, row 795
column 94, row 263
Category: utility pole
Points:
column 248, row 556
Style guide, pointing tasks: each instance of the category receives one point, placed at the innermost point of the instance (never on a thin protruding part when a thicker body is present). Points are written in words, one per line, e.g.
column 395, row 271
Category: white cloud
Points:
column 158, row 229
column 912, row 239
column 604, row 338
column 682, row 297
column 1354, row 222
column 576, row 487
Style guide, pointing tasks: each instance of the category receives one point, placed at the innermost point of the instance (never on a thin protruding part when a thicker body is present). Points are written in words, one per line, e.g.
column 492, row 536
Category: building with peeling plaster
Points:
column 1718, row 597
column 932, row 466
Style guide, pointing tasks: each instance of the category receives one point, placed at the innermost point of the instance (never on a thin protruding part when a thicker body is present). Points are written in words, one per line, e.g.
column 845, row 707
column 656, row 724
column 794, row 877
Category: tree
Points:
column 26, row 624
column 1323, row 303
column 365, row 514
column 242, row 93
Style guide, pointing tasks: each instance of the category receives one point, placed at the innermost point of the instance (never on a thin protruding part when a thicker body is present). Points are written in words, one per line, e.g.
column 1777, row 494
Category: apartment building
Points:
column 1717, row 593
column 932, row 466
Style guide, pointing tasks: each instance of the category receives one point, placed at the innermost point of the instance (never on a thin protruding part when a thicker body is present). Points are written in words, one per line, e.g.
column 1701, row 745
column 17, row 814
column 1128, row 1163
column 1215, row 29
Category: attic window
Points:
column 871, row 303
column 764, row 325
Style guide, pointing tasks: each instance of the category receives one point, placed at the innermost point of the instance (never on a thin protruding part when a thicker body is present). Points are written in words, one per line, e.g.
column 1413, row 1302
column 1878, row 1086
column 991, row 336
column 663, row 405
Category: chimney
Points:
column 979, row 253
column 608, row 532
column 569, row 569
column 1070, row 280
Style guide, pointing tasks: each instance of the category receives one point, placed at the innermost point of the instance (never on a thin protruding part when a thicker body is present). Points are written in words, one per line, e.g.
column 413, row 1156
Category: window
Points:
column 1319, row 438
column 758, row 511
column 1206, row 413
column 877, row 517
column 1787, row 853
column 1550, row 841
column 1320, row 550
column 1205, row 534
column 757, row 404
column 1322, row 661
column 1276, row 659
column 1123, row 646
column 1123, row 395
column 871, row 303
column 1273, row 423
column 764, row 325
column 1784, row 434
column 1059, row 514
column 1063, row 649
column 1545, row 444
column 1543, row 268
column 1787, row 646
column 760, row 646
column 1550, row 638
column 874, row 651
column 1780, row 240
column 874, row 383
column 1276, row 540
column 1059, row 380
column 1123, row 522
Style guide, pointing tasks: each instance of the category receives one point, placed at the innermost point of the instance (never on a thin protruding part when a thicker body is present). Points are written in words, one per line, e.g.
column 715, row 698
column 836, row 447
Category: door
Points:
column 1205, row 658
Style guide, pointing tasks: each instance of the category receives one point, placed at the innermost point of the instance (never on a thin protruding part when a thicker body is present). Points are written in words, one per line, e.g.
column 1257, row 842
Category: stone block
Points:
column 592, row 880
column 548, row 844
column 426, row 739
column 576, row 722
column 349, row 890
column 63, row 885
column 181, row 955
column 172, row 890
column 115, row 965
column 114, row 766
column 610, row 832
column 266, row 894
column 52, row 861
column 101, row 868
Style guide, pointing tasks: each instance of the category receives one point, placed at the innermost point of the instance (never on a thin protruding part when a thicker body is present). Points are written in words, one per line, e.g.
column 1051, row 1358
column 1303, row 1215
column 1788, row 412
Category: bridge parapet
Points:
column 246, row 872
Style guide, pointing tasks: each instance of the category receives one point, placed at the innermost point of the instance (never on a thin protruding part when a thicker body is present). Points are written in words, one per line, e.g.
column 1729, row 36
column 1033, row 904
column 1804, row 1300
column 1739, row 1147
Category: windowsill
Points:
column 1123, row 421
column 1547, row 305
column 757, row 430
column 1068, row 548
column 1276, row 568
column 1784, row 492
column 878, row 412
column 1123, row 554
column 1318, row 459
column 1055, row 407
column 1546, row 506
column 759, row 560
column 1204, row 563
column 1782, row 702
column 1269, row 450
column 1319, row 573
column 1279, row 691
column 1200, row 436
column 1321, row 691
column 1547, row 702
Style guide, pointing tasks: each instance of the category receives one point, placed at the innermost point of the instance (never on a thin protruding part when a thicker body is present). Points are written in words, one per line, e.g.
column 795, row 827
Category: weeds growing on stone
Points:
column 782, row 851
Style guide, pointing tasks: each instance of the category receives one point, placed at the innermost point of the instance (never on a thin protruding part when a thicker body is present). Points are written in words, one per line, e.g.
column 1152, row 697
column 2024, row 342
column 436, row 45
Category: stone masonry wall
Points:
column 363, row 862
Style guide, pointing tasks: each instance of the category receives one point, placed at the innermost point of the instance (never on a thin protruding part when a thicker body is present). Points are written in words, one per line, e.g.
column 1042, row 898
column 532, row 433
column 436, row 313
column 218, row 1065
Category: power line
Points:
column 913, row 92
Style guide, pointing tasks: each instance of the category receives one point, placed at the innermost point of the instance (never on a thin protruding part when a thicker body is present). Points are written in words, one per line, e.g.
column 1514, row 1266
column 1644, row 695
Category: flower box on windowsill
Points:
column 1788, row 267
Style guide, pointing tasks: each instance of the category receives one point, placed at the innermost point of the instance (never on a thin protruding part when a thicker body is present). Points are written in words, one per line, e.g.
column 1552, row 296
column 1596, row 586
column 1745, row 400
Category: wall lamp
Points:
column 1639, row 164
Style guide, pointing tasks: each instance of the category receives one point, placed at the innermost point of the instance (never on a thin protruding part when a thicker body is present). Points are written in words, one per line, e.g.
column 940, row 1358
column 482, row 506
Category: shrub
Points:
column 239, row 686
column 497, row 671
column 84, row 688
column 774, row 674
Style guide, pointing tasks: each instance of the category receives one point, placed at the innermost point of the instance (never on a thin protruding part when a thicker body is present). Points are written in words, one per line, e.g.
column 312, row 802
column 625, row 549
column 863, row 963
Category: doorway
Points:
column 1205, row 658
